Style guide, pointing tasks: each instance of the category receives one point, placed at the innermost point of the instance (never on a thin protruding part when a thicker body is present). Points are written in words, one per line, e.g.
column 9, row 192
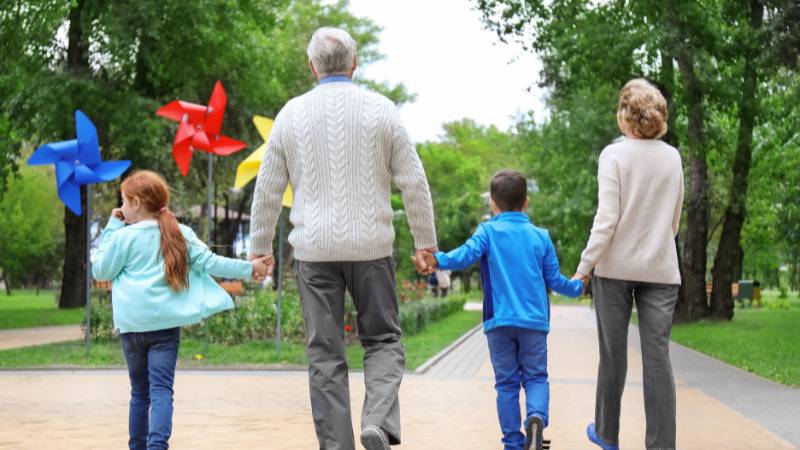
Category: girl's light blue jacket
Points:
column 142, row 300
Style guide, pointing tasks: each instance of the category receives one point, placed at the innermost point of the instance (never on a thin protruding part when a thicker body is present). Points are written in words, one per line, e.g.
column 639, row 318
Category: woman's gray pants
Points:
column 372, row 286
column 613, row 300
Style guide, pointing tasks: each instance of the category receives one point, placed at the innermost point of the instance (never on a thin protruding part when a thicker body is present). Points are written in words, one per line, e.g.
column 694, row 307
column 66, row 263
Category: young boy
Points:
column 518, row 265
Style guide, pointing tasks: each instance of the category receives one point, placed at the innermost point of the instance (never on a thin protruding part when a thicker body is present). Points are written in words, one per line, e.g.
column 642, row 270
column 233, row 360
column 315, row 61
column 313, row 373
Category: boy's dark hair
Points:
column 509, row 190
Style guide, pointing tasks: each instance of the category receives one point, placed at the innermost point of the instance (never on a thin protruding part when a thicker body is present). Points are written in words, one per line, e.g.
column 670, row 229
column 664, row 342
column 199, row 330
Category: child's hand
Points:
column 117, row 212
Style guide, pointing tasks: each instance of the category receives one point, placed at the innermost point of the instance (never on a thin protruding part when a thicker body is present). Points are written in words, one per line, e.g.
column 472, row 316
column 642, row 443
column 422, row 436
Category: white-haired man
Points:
column 341, row 146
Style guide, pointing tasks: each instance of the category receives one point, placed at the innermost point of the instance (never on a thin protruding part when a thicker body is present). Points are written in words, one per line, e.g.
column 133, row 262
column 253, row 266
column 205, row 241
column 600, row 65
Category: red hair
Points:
column 153, row 193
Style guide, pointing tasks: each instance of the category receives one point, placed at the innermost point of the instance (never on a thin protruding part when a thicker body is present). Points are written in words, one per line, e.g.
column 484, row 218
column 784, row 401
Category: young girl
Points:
column 161, row 276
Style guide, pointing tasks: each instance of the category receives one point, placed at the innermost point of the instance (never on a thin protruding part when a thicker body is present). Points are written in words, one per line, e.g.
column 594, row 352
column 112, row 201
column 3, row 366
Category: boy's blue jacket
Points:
column 518, row 263
column 141, row 298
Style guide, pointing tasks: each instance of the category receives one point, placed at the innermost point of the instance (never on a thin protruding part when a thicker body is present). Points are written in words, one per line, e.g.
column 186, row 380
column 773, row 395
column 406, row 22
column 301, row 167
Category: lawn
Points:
column 419, row 348
column 762, row 341
column 25, row 309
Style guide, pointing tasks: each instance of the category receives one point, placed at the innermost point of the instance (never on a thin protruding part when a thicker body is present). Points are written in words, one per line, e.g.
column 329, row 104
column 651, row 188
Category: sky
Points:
column 440, row 50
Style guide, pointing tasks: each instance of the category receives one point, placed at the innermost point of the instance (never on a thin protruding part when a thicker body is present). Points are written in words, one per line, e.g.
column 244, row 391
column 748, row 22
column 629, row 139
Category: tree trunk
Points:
column 667, row 87
column 7, row 282
column 695, row 303
column 73, row 285
column 729, row 253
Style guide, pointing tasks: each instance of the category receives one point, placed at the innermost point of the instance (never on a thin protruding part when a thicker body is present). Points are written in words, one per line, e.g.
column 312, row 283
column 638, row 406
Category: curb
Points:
column 426, row 366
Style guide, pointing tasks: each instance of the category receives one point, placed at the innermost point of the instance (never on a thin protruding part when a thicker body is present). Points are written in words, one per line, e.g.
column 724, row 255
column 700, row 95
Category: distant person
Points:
column 161, row 280
column 443, row 282
column 433, row 282
column 341, row 147
column 632, row 251
column 518, row 265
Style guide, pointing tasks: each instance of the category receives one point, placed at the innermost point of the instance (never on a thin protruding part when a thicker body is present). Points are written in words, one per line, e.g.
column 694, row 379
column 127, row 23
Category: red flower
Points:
column 348, row 328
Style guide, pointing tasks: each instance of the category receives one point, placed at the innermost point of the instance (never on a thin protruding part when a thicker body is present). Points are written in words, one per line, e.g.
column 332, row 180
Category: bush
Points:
column 254, row 318
column 415, row 316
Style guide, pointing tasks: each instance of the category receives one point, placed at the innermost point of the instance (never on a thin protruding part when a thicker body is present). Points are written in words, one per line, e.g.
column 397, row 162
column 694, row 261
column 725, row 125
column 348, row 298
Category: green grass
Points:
column 25, row 309
column 428, row 342
column 419, row 348
column 761, row 341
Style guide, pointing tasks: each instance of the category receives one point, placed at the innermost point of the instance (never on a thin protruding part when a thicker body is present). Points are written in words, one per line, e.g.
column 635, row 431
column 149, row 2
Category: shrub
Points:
column 255, row 316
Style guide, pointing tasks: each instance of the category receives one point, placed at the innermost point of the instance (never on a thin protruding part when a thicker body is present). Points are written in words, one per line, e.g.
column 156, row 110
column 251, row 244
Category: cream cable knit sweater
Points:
column 340, row 146
column 640, row 197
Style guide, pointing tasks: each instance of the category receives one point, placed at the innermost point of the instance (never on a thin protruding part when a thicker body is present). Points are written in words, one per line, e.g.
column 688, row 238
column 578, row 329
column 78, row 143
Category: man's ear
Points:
column 313, row 69
column 355, row 66
column 526, row 204
column 493, row 205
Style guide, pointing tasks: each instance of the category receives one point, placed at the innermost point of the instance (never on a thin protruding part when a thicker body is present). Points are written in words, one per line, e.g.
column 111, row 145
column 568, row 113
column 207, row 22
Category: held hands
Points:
column 584, row 279
column 262, row 266
column 424, row 261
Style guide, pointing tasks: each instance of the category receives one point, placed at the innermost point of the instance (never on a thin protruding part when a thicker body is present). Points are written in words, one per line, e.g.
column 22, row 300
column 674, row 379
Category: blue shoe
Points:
column 592, row 435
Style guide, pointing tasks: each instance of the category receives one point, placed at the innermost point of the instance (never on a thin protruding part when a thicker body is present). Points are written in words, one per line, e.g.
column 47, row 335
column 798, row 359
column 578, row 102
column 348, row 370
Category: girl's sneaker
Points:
column 533, row 433
column 591, row 433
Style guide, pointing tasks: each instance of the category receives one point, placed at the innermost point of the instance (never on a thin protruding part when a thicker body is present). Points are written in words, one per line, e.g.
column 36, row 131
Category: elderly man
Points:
column 340, row 147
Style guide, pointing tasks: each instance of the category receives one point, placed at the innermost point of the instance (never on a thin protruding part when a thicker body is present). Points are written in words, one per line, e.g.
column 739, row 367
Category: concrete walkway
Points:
column 26, row 337
column 450, row 407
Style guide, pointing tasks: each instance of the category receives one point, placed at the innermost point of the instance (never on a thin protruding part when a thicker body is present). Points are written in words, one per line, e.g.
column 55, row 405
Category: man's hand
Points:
column 425, row 265
column 267, row 260
column 584, row 278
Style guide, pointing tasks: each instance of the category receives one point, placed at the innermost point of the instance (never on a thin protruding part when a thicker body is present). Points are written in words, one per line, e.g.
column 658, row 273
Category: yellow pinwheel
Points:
column 248, row 169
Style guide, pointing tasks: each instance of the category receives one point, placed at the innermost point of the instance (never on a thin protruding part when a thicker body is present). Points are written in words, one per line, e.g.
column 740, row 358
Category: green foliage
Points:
column 254, row 318
column 133, row 57
column 30, row 231
column 415, row 316
column 590, row 49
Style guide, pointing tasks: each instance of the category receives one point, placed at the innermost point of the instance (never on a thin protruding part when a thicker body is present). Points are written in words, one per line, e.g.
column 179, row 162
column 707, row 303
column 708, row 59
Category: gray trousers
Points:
column 372, row 286
column 655, row 303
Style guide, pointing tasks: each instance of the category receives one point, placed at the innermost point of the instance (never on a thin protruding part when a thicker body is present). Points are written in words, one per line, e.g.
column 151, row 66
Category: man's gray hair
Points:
column 332, row 51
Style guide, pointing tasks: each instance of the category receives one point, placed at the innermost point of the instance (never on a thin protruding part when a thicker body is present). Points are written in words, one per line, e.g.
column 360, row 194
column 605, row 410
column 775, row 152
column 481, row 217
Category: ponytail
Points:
column 173, row 250
column 153, row 192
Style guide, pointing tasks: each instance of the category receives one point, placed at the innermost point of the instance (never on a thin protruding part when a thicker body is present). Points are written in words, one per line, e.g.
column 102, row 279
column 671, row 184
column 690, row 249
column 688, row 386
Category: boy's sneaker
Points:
column 591, row 433
column 534, row 426
column 373, row 438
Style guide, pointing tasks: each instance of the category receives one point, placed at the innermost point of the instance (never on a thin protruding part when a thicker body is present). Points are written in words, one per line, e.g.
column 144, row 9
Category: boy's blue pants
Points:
column 519, row 358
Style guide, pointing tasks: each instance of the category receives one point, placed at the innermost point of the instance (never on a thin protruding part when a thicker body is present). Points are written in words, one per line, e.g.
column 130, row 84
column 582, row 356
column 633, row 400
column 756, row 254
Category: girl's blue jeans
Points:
column 519, row 358
column 151, row 359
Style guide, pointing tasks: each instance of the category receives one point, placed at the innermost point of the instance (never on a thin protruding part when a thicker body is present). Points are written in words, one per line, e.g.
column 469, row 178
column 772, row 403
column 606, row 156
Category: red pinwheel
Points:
column 199, row 128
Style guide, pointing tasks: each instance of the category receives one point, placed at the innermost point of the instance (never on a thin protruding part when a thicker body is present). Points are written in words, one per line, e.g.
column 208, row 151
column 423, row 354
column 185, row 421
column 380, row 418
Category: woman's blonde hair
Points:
column 642, row 110
column 153, row 192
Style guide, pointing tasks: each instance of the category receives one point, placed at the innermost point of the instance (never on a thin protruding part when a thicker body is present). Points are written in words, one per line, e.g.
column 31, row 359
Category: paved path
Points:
column 441, row 410
column 25, row 337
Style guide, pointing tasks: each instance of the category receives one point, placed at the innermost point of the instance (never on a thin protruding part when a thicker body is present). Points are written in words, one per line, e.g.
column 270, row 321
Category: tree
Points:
column 122, row 60
column 724, row 51
column 30, row 233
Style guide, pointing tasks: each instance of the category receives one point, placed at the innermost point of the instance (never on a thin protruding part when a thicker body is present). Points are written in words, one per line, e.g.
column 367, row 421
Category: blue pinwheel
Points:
column 77, row 162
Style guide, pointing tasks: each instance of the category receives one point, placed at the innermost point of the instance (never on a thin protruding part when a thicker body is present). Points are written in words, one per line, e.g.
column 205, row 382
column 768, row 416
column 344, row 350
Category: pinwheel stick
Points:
column 88, row 268
column 208, row 231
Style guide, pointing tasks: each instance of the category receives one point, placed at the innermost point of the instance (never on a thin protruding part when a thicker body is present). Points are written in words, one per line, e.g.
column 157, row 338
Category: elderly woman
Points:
column 632, row 251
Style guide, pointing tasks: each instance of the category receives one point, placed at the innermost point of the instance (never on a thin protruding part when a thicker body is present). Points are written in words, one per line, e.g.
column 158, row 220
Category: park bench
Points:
column 749, row 290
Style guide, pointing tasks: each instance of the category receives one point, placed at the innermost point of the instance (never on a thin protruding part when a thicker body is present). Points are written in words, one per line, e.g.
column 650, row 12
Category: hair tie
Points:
column 164, row 208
